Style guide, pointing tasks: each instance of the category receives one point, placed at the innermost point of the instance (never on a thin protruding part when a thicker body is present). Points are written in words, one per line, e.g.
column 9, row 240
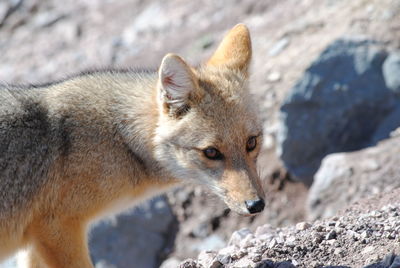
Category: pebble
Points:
column 206, row 258
column 244, row 263
column 237, row 236
column 301, row 226
column 331, row 235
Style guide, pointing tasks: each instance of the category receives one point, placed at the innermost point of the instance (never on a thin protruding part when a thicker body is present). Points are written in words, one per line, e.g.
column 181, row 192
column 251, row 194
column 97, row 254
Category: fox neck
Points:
column 137, row 116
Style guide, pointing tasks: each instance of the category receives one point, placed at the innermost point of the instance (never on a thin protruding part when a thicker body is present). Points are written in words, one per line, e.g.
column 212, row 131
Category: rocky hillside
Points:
column 325, row 78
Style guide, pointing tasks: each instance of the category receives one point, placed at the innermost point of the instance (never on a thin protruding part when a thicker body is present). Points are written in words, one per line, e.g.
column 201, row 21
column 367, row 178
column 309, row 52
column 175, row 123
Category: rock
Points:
column 237, row 236
column 279, row 46
column 224, row 259
column 344, row 178
column 274, row 77
column 326, row 243
column 170, row 263
column 206, row 258
column 263, row 229
column 146, row 227
column 301, row 226
column 244, row 263
column 331, row 235
column 336, row 106
column 212, row 242
column 391, row 72
column 271, row 264
column 189, row 263
column 387, row 126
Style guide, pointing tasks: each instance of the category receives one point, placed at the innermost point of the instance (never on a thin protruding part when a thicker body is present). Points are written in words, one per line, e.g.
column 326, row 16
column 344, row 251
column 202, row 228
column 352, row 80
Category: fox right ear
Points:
column 234, row 51
column 176, row 83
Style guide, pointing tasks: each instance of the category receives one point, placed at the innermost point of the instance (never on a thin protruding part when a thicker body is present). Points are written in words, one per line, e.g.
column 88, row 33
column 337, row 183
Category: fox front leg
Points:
column 59, row 244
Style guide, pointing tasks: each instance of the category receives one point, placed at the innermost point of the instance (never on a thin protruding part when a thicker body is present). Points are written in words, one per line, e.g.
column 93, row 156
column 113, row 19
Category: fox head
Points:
column 208, row 129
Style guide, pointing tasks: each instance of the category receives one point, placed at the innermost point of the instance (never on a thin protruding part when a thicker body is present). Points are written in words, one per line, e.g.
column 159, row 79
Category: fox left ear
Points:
column 234, row 51
column 176, row 83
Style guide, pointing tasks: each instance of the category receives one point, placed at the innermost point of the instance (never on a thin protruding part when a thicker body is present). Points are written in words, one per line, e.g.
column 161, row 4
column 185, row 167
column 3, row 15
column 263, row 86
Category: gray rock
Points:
column 391, row 72
column 279, row 47
column 213, row 242
column 389, row 124
column 336, row 106
column 135, row 239
column 271, row 264
column 345, row 178
column 170, row 263
column 238, row 235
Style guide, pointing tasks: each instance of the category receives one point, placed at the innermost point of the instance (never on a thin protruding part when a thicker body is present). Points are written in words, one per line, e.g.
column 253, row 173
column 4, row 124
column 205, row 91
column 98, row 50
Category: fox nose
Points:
column 255, row 206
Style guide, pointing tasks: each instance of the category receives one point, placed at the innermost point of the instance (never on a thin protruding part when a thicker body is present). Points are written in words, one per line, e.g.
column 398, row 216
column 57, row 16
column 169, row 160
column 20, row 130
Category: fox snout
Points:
column 242, row 192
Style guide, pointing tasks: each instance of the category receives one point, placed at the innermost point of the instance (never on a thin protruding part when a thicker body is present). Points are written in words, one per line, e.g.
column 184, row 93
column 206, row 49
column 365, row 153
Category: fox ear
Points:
column 176, row 83
column 234, row 51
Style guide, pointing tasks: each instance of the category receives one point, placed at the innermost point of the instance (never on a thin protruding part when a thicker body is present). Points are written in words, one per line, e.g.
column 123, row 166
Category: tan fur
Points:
column 101, row 142
column 234, row 51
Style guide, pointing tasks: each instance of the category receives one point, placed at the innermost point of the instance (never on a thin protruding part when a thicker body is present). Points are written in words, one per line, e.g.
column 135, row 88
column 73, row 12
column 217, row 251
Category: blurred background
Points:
column 325, row 76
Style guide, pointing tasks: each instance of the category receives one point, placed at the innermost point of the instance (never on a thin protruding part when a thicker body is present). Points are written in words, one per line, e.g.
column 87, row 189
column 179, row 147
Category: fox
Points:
column 77, row 150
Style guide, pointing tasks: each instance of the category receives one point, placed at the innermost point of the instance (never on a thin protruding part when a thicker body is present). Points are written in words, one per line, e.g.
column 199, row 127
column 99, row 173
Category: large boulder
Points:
column 135, row 239
column 336, row 106
column 345, row 178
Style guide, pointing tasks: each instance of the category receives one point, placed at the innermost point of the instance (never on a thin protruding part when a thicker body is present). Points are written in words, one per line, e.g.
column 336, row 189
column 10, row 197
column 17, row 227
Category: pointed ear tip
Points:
column 171, row 57
column 241, row 28
column 172, row 60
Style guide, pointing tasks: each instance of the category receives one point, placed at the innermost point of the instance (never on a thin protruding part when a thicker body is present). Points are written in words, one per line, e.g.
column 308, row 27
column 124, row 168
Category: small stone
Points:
column 368, row 250
column 273, row 243
column 319, row 228
column 237, row 236
column 244, row 263
column 224, row 259
column 301, row 226
column 248, row 241
column 391, row 236
column 239, row 254
column 263, row 229
column 318, row 238
column 227, row 250
column 339, row 252
column 274, row 77
column 189, row 263
column 365, row 234
column 376, row 214
column 331, row 235
column 169, row 263
column 290, row 241
column 256, row 258
column 278, row 47
column 206, row 258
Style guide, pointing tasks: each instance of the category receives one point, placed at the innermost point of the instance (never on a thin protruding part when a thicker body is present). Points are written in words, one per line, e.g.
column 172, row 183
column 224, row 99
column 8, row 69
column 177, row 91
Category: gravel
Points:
column 368, row 239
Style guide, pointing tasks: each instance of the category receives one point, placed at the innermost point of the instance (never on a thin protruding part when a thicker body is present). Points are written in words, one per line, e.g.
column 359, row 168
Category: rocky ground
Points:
column 43, row 40
column 359, row 237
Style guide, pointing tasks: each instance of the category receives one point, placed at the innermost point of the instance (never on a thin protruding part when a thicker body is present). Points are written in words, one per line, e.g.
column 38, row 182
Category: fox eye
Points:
column 251, row 144
column 213, row 154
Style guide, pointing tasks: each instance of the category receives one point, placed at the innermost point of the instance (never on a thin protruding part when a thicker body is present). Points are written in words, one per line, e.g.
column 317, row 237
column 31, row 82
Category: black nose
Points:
column 255, row 206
